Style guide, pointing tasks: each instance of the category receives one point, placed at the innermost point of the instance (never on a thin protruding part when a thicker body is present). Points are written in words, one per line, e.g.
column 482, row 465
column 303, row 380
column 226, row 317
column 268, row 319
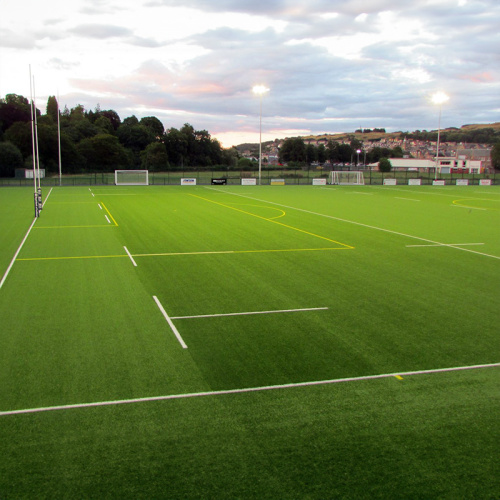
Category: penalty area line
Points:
column 398, row 375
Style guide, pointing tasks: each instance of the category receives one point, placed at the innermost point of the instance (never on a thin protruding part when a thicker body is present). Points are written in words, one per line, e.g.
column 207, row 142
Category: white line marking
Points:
column 17, row 253
column 169, row 321
column 109, row 222
column 360, row 224
column 444, row 245
column 407, row 199
column 130, row 257
column 250, row 313
column 247, row 390
column 99, row 205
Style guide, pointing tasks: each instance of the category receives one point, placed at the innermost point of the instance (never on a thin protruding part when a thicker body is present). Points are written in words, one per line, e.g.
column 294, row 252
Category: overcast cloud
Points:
column 330, row 65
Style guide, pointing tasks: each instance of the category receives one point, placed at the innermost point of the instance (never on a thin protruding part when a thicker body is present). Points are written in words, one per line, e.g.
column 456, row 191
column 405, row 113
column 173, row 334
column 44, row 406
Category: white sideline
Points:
column 22, row 243
column 247, row 390
column 249, row 313
column 169, row 321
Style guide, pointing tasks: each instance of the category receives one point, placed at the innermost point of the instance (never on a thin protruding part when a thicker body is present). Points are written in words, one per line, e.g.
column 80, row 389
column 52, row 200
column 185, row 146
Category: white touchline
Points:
column 247, row 390
column 171, row 324
column 99, row 205
column 109, row 222
column 361, row 224
column 250, row 313
column 407, row 199
column 130, row 257
column 17, row 253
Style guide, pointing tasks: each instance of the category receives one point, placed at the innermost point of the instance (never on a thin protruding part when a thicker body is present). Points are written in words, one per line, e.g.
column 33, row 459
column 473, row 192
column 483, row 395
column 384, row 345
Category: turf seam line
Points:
column 170, row 322
column 247, row 390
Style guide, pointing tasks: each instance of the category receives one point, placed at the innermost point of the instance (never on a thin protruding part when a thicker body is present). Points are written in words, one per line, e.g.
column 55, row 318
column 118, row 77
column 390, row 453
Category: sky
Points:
column 330, row 65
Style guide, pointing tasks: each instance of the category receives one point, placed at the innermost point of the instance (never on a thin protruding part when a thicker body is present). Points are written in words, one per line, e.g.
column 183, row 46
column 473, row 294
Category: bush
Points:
column 384, row 165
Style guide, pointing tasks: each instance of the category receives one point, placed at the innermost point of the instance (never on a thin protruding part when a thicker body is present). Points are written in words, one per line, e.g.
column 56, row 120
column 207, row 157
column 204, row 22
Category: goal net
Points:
column 347, row 177
column 131, row 177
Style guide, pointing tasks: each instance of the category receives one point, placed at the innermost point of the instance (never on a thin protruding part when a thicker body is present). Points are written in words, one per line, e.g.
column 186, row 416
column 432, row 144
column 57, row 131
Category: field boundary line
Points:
column 398, row 375
column 170, row 322
column 249, row 313
column 17, row 253
column 390, row 231
column 272, row 220
column 444, row 245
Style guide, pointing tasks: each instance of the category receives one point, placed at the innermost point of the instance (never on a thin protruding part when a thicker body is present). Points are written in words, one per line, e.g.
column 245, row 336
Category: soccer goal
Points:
column 131, row 177
column 347, row 178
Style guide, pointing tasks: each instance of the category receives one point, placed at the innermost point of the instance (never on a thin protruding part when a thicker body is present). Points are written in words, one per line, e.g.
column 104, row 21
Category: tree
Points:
column 155, row 125
column 103, row 152
column 293, row 150
column 321, row 154
column 14, row 108
column 10, row 159
column 311, row 154
column 52, row 108
column 495, row 156
column 384, row 165
column 154, row 157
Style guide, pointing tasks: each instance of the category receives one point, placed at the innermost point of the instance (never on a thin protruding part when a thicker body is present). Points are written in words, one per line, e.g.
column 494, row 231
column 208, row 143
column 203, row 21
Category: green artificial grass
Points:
column 399, row 279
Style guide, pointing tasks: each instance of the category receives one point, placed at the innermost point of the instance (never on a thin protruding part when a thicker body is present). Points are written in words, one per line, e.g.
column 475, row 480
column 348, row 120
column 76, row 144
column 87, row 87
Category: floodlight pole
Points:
column 437, row 145
column 260, row 90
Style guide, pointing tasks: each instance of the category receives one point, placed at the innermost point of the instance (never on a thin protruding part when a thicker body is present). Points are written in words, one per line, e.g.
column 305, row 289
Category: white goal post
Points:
column 131, row 177
column 347, row 178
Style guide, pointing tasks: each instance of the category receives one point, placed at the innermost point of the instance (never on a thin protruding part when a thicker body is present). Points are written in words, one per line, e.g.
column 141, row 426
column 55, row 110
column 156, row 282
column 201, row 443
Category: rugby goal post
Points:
column 131, row 177
column 347, row 178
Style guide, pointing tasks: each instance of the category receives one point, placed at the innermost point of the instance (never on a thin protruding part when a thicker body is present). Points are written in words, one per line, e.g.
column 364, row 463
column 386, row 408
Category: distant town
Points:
column 418, row 148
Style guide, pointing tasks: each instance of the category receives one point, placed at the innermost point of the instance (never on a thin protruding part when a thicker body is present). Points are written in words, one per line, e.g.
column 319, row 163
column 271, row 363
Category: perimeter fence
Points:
column 296, row 176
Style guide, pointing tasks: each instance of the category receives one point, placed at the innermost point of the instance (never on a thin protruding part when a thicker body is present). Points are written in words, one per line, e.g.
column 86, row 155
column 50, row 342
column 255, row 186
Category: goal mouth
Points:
column 131, row 177
column 347, row 178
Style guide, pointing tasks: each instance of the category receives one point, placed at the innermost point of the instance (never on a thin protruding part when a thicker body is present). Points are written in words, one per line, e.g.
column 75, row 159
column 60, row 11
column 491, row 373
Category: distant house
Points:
column 446, row 165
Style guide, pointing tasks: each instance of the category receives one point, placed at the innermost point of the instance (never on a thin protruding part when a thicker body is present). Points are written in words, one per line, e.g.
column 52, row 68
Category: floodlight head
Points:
column 440, row 98
column 259, row 89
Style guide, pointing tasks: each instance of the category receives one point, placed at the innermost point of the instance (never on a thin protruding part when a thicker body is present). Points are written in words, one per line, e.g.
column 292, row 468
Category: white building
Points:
column 446, row 165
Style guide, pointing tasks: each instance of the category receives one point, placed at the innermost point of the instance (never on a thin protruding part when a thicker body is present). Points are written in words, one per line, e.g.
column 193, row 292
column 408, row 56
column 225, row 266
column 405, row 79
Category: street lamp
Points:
column 358, row 151
column 260, row 90
column 438, row 98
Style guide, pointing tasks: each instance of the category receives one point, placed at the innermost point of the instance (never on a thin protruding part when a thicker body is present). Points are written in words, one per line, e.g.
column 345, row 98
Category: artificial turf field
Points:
column 250, row 342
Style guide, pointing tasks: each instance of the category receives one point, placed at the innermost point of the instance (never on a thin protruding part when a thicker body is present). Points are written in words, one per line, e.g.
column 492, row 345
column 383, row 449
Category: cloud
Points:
column 100, row 31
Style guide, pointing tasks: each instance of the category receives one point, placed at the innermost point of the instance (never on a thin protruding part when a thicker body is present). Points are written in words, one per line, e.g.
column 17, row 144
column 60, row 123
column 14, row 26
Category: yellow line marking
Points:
column 169, row 254
column 116, row 224
column 459, row 203
column 274, row 221
column 399, row 377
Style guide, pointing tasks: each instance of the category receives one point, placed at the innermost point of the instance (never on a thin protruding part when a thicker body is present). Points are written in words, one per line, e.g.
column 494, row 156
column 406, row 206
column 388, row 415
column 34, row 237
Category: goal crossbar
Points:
column 131, row 177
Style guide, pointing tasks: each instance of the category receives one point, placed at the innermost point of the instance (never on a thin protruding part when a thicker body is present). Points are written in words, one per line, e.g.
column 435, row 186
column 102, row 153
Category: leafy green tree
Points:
column 104, row 125
column 311, row 154
column 345, row 153
column 52, row 108
column 155, row 125
column 495, row 156
column 10, row 159
column 14, row 108
column 103, row 152
column 293, row 150
column 384, row 165
column 154, row 157
column 20, row 135
column 321, row 153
